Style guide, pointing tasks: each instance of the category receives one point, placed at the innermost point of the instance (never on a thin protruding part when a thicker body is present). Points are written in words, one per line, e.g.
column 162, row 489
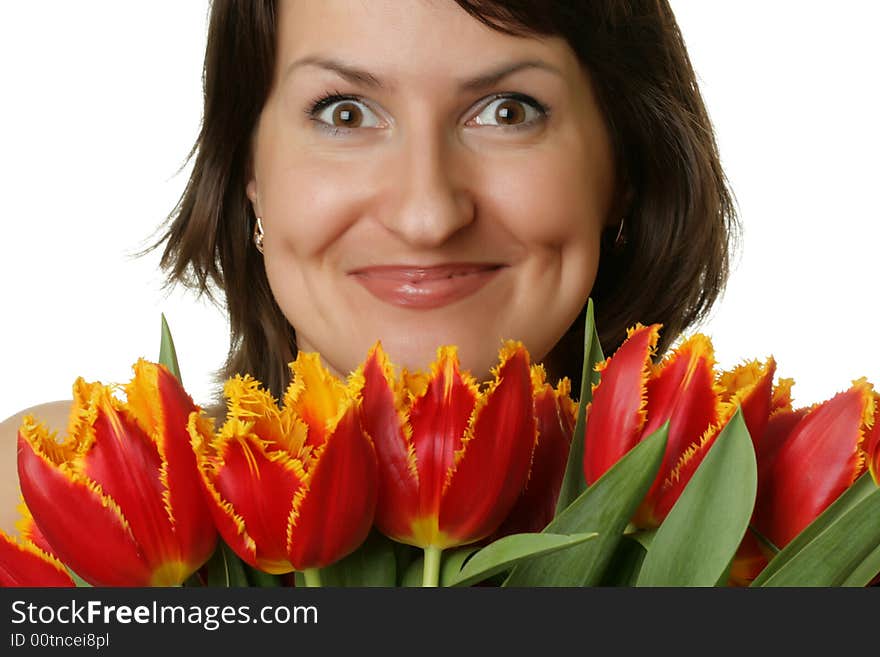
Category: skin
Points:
column 429, row 174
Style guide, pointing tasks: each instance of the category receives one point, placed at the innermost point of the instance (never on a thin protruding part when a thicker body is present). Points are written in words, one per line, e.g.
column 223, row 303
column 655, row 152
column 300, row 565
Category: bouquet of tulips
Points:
column 661, row 474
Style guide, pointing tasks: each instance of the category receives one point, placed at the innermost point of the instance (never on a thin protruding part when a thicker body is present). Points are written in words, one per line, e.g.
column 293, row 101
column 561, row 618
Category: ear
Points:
column 251, row 191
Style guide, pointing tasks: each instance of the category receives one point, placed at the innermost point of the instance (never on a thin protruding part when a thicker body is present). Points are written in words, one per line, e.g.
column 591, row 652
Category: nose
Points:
column 432, row 201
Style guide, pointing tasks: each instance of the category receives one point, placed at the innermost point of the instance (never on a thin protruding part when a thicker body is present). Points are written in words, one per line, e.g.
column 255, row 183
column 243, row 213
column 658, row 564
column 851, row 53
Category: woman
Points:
column 351, row 161
column 440, row 172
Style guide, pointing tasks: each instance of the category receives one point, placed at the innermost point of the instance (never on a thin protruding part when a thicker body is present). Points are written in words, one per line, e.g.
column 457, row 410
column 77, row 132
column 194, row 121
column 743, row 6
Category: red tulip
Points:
column 635, row 397
column 27, row 560
column 807, row 459
column 292, row 488
column 453, row 459
column 129, row 483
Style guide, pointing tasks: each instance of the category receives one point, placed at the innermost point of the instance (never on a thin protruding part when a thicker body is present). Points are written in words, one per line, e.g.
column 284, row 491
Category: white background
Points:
column 101, row 102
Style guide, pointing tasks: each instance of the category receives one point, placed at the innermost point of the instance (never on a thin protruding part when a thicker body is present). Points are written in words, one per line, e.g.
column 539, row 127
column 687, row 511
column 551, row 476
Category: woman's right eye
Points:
column 336, row 112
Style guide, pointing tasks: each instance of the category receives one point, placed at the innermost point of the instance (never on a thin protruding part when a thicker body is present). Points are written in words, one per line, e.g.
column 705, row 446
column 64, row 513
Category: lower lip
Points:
column 425, row 294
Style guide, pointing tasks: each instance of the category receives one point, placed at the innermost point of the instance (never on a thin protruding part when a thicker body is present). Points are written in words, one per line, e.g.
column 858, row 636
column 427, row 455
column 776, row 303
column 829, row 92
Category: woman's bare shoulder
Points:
column 54, row 415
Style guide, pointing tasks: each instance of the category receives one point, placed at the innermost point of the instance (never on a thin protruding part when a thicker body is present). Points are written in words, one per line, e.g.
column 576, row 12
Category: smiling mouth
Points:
column 424, row 288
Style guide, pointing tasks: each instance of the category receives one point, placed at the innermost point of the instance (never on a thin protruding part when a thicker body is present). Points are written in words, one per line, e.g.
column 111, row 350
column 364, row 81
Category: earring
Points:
column 620, row 240
column 258, row 234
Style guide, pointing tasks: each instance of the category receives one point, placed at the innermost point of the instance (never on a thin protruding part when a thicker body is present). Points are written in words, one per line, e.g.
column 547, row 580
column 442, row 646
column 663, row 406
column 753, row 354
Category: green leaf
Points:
column 193, row 580
column 225, row 569
column 167, row 353
column 454, row 560
column 859, row 490
column 258, row 578
column 697, row 540
column 412, row 577
column 404, row 555
column 623, row 568
column 865, row 572
column 841, row 554
column 605, row 507
column 573, row 483
column 79, row 581
column 644, row 537
column 372, row 564
column 510, row 550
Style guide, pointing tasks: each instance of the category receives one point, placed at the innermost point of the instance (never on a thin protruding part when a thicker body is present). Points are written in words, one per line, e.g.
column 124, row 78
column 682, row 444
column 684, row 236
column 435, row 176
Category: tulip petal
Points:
column 656, row 507
column 127, row 464
column 385, row 420
column 315, row 396
column 872, row 442
column 439, row 418
column 259, row 485
column 749, row 561
column 24, row 564
column 681, row 389
column 555, row 414
column 817, row 462
column 749, row 386
column 333, row 514
column 617, row 413
column 492, row 466
column 160, row 405
column 779, row 428
column 781, row 400
column 230, row 525
column 97, row 516
column 29, row 531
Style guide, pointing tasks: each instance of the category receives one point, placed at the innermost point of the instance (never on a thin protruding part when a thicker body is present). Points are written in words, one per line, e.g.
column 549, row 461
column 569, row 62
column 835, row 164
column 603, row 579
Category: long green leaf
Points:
column 865, row 572
column 697, row 540
column 500, row 555
column 605, row 507
column 623, row 569
column 832, row 557
column 167, row 353
column 225, row 569
column 372, row 564
column 573, row 483
column 454, row 560
column 859, row 490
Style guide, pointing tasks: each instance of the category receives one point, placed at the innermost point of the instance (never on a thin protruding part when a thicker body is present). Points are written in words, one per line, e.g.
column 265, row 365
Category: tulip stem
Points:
column 312, row 576
column 431, row 569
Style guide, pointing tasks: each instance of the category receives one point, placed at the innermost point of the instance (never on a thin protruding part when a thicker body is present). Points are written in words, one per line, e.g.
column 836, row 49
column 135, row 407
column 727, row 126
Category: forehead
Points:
column 406, row 40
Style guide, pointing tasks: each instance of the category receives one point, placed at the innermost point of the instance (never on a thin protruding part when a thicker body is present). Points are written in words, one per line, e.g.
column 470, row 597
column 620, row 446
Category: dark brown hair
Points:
column 679, row 219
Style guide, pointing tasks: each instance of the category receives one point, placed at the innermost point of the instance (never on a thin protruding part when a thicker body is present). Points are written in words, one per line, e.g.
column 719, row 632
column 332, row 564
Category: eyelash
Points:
column 327, row 99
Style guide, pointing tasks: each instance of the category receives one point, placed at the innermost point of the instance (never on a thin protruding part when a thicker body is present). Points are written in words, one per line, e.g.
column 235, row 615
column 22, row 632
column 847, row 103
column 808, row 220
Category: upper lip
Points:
column 416, row 273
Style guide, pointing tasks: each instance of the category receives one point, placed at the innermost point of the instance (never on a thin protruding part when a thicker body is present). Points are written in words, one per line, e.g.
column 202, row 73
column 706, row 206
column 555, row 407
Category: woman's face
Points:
column 423, row 180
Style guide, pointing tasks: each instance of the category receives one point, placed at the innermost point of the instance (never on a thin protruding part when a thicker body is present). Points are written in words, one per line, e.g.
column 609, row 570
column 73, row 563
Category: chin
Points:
column 417, row 352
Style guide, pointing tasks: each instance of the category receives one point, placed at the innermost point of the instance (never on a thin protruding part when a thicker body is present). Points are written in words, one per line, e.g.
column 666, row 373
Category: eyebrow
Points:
column 356, row 75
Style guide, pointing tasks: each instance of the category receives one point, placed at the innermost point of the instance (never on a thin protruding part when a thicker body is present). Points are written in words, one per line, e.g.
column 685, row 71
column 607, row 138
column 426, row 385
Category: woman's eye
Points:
column 344, row 113
column 510, row 111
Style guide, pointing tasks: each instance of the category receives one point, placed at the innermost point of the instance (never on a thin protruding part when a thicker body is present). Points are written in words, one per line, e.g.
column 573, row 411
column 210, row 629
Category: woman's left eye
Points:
column 511, row 111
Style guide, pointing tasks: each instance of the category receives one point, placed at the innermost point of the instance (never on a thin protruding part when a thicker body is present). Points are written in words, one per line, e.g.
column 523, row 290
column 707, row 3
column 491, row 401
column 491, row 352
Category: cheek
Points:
column 555, row 202
column 305, row 207
column 308, row 198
